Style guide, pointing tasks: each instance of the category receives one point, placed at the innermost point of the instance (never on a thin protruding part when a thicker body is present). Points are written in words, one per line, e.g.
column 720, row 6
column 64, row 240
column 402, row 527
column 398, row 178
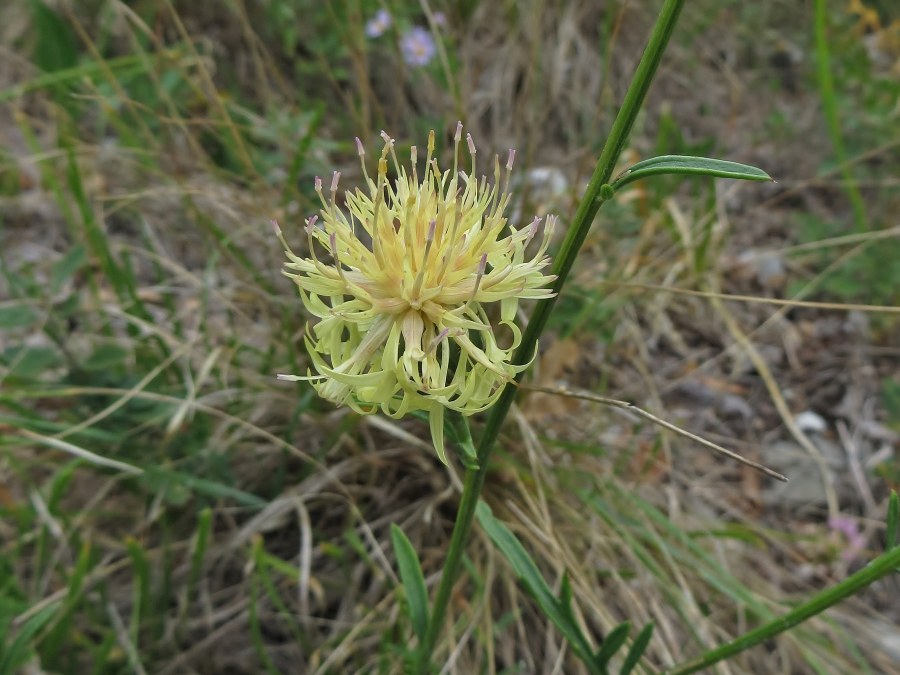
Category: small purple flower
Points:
column 440, row 19
column 378, row 24
column 855, row 540
column 417, row 46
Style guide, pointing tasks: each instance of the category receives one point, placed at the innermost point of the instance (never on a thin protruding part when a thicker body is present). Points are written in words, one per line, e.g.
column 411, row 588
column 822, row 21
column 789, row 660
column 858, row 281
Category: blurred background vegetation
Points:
column 166, row 506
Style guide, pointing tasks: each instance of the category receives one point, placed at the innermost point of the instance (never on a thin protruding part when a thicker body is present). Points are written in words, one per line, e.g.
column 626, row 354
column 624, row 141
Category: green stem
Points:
column 876, row 569
column 832, row 115
column 564, row 260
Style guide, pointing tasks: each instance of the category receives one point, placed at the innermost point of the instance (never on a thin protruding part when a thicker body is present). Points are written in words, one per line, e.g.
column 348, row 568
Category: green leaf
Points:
column 18, row 652
column 58, row 637
column 456, row 426
column 893, row 521
column 612, row 643
column 141, row 602
column 412, row 579
column 517, row 556
column 177, row 487
column 565, row 597
column 95, row 235
column 256, row 585
column 67, row 267
column 17, row 316
column 56, row 46
column 638, row 647
column 105, row 357
column 29, row 362
column 686, row 164
column 890, row 395
column 302, row 148
column 531, row 578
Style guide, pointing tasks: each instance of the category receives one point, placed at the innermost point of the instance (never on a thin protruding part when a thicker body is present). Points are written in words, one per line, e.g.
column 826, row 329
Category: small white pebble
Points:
column 810, row 421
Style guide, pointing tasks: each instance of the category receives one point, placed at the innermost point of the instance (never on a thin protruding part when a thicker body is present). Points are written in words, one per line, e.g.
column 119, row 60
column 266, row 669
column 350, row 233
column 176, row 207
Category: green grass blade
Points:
column 17, row 653
column 122, row 66
column 155, row 475
column 301, row 152
column 199, row 546
column 233, row 249
column 103, row 654
column 62, row 628
column 94, row 234
column 638, row 647
column 56, row 46
column 276, row 597
column 140, row 607
column 612, row 643
column 832, row 115
column 893, row 521
column 258, row 556
column 413, row 580
column 566, row 597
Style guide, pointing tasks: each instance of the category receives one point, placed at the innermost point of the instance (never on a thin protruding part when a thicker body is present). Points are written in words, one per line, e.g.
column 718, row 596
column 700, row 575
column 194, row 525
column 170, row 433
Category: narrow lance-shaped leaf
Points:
column 638, row 647
column 528, row 573
column 612, row 643
column 565, row 597
column 413, row 580
column 893, row 521
column 17, row 653
column 689, row 165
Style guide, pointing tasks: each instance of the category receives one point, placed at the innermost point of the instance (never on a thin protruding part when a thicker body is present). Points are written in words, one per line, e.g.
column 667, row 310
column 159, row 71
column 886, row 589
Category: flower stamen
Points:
column 420, row 277
column 482, row 265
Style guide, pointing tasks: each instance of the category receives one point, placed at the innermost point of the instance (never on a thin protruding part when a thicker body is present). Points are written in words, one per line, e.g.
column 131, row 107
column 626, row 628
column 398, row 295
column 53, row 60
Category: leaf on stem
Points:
column 557, row 610
column 612, row 643
column 893, row 523
column 687, row 164
column 412, row 579
column 638, row 647
column 20, row 650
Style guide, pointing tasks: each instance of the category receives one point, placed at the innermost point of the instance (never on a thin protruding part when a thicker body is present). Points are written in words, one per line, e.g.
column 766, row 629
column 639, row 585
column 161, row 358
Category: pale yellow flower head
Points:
column 402, row 321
